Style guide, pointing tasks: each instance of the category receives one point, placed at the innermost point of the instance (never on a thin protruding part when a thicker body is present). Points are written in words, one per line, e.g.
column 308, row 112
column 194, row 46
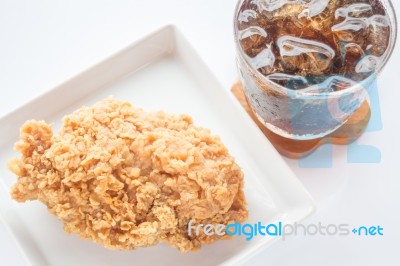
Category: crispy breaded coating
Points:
column 125, row 178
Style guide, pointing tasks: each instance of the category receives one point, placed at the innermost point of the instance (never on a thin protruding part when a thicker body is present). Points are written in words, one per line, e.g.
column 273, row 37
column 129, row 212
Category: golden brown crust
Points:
column 126, row 178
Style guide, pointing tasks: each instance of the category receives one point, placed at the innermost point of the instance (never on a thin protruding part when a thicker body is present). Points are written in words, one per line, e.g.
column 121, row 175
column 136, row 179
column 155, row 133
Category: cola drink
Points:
column 306, row 64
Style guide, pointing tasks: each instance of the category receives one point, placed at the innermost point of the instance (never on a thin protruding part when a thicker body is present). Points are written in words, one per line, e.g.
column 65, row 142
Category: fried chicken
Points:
column 126, row 178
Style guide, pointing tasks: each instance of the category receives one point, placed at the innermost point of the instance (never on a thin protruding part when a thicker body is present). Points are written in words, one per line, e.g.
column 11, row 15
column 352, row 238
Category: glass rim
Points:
column 277, row 87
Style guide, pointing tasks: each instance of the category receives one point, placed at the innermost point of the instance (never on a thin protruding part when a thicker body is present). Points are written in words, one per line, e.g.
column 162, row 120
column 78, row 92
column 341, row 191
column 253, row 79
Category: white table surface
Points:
column 42, row 43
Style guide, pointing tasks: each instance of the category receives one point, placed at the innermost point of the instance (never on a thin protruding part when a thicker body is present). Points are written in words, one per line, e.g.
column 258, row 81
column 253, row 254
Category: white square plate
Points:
column 159, row 72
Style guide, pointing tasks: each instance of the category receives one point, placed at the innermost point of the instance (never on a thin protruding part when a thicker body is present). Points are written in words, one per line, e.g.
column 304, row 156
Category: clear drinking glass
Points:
column 307, row 113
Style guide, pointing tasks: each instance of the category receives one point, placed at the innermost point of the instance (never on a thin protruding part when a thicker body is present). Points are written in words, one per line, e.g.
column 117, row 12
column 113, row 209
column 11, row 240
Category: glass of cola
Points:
column 307, row 65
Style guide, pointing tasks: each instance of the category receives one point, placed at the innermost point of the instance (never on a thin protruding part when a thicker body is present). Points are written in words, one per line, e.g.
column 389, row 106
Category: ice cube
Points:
column 252, row 40
column 353, row 30
column 314, row 8
column 293, row 46
column 368, row 64
column 374, row 30
column 250, row 31
column 307, row 56
column 351, row 24
column 354, row 10
column 265, row 59
column 379, row 33
column 354, row 48
column 351, row 53
column 246, row 15
column 272, row 5
column 377, row 21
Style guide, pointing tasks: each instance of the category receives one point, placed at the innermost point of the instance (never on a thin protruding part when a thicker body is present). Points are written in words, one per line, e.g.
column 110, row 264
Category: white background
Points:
column 43, row 43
